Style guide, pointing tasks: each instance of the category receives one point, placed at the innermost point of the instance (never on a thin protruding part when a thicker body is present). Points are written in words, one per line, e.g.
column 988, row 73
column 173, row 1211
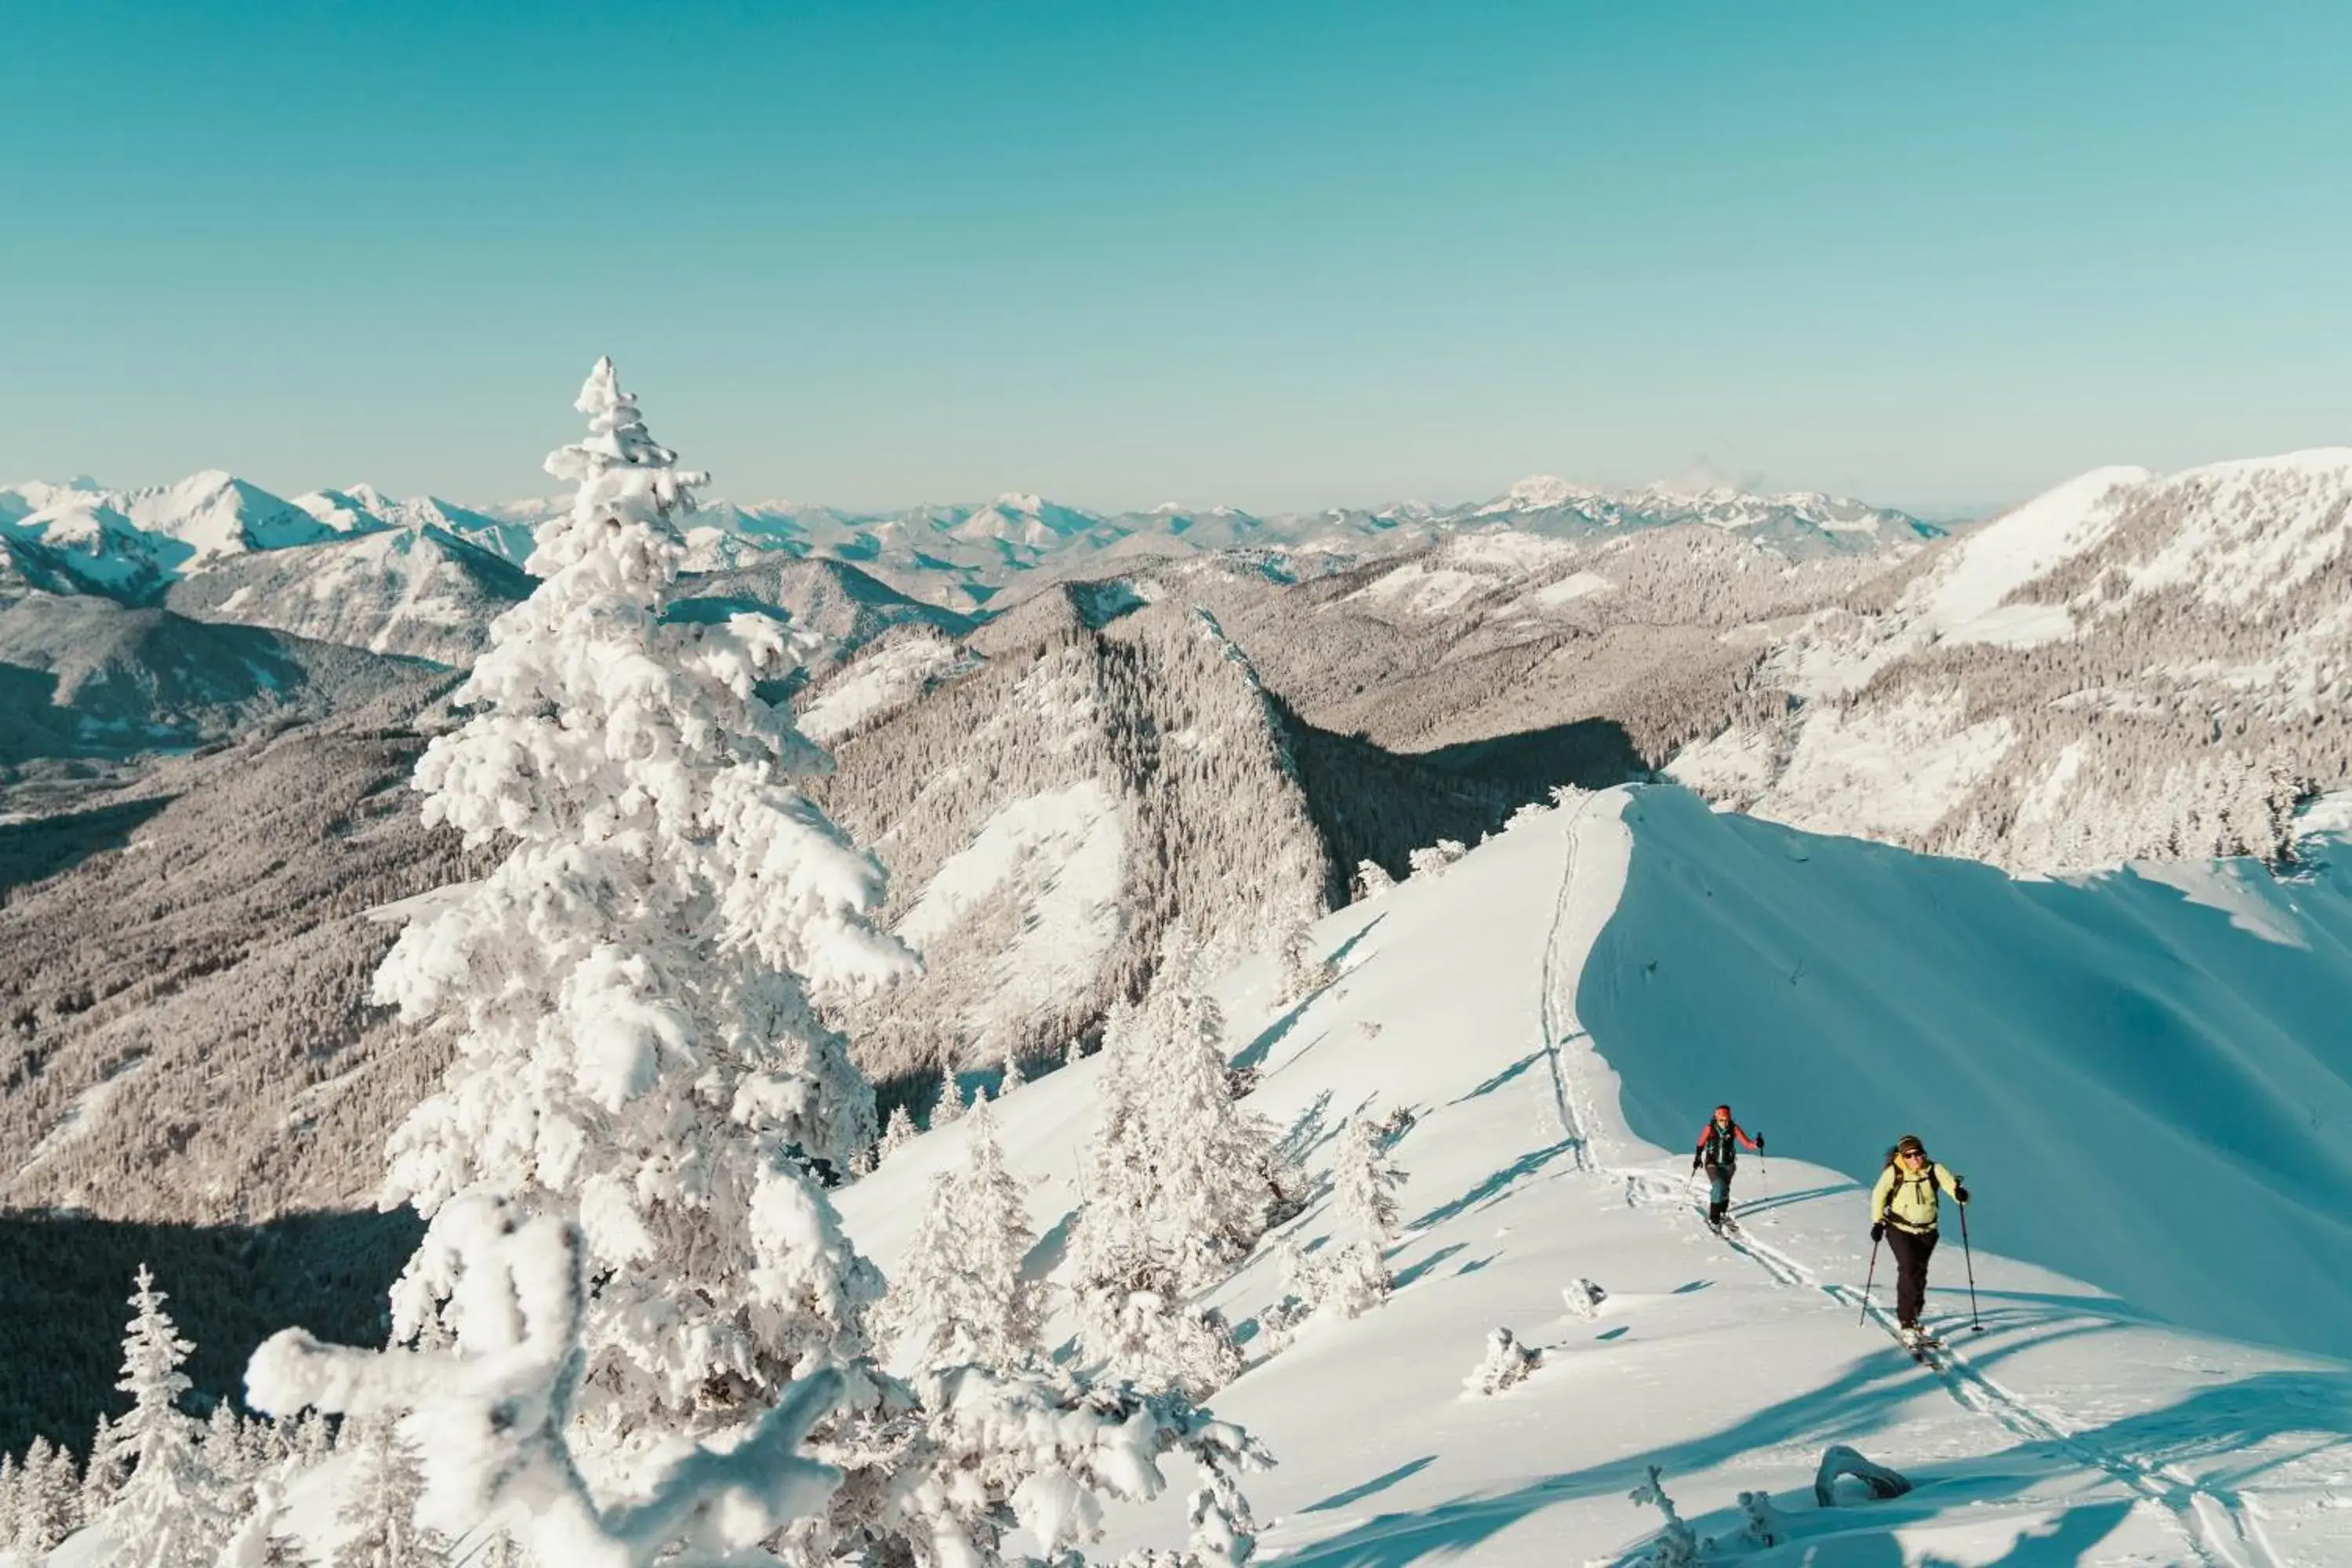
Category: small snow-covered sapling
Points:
column 1507, row 1362
column 1677, row 1546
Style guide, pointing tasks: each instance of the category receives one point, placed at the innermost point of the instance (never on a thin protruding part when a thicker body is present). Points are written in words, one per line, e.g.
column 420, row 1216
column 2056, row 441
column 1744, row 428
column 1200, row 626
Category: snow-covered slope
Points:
column 893, row 675
column 82, row 677
column 837, row 608
column 1502, row 1001
column 2147, row 1064
column 2129, row 665
column 419, row 591
column 1046, row 812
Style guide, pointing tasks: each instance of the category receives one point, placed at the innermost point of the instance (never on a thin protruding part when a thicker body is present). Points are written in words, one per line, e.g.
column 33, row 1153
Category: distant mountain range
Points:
column 137, row 546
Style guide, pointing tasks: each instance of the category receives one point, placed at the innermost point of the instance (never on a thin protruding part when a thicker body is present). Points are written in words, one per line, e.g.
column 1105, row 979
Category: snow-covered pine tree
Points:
column 1356, row 1280
column 1003, row 1311
column 380, row 1499
column 959, row 1297
column 1041, row 1452
column 1132, row 1318
column 1013, row 1078
column 312, row 1439
column 1178, row 1183
column 1366, row 1180
column 630, row 990
column 917, row 1317
column 901, row 1128
column 48, row 1499
column 1210, row 1163
column 101, row 1478
column 1676, row 1545
column 611, row 991
column 163, row 1517
column 1431, row 859
column 494, row 1413
column 950, row 1104
column 12, row 1499
column 1225, row 1529
column 1302, row 973
column 1371, row 881
column 1507, row 1362
column 229, row 1457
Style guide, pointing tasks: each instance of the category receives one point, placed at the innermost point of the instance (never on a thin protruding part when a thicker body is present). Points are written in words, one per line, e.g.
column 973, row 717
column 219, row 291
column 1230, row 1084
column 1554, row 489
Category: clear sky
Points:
column 1273, row 254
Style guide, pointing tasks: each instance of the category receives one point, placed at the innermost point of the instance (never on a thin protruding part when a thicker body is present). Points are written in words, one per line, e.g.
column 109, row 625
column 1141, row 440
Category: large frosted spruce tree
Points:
column 629, row 991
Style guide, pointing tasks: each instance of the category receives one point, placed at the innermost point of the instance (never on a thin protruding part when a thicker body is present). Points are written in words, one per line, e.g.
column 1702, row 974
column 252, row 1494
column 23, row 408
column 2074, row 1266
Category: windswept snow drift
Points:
column 2072, row 1428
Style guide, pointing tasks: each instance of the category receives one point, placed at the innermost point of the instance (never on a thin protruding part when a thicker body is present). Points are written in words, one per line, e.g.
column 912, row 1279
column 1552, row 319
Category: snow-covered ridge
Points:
column 2134, row 665
column 1720, row 505
column 1528, row 1004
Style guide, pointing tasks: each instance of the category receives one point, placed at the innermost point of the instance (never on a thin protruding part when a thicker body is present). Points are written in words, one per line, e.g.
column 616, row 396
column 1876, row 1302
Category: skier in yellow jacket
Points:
column 1903, row 1210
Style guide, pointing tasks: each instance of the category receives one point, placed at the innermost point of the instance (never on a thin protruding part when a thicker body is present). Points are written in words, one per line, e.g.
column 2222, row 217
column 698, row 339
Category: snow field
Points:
column 2072, row 1428
column 1060, row 852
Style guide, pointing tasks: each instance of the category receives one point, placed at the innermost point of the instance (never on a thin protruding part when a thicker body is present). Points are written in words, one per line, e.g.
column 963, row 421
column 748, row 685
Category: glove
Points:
column 1760, row 1143
column 1877, row 1232
column 1961, row 1192
column 1694, row 1164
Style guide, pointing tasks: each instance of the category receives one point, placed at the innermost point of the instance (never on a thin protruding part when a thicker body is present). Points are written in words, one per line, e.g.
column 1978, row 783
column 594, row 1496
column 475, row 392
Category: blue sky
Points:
column 1277, row 254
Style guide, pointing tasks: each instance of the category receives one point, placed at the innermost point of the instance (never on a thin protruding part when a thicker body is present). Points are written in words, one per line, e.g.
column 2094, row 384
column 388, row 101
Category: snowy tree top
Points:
column 621, row 470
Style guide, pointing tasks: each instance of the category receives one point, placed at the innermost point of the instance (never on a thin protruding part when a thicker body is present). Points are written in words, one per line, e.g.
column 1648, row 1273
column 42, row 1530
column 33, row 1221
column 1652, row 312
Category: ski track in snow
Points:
column 1557, row 1004
column 2217, row 1524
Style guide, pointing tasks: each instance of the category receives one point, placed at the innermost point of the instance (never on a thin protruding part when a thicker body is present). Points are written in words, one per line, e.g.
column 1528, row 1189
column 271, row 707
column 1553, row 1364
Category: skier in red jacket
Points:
column 1718, row 1151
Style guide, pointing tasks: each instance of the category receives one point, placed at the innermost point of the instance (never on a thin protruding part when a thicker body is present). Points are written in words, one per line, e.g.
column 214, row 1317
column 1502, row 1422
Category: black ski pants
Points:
column 1911, row 1253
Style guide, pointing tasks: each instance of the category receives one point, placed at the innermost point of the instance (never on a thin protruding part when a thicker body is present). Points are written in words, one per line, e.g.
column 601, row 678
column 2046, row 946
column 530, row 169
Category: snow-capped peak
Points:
column 1536, row 493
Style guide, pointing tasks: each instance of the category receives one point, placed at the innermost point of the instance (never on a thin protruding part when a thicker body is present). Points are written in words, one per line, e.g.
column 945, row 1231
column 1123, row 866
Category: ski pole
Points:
column 1863, row 1316
column 1975, row 1326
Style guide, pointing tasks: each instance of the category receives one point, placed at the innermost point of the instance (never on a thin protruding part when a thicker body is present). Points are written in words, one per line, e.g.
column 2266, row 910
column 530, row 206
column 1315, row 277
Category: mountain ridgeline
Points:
column 2129, row 667
column 1061, row 732
column 1047, row 815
